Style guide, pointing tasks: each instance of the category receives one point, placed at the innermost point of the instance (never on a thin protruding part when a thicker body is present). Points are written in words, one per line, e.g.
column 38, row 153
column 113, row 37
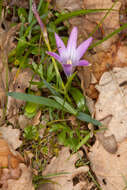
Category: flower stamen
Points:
column 69, row 62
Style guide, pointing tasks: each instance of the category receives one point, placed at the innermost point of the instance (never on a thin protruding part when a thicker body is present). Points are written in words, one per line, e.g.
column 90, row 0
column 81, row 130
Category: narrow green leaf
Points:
column 65, row 105
column 21, row 46
column 40, row 4
column 1, row 3
column 52, row 90
column 30, row 17
column 69, row 81
column 58, row 127
column 67, row 16
column 35, row 99
column 83, row 141
column 55, row 174
column 50, row 72
column 87, row 118
column 78, row 98
column 31, row 132
column 58, row 104
column 124, row 26
column 30, row 12
column 62, row 137
column 103, row 18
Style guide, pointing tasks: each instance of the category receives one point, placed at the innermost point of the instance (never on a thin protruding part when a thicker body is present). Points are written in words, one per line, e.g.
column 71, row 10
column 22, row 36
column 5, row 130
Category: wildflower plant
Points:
column 56, row 99
column 70, row 57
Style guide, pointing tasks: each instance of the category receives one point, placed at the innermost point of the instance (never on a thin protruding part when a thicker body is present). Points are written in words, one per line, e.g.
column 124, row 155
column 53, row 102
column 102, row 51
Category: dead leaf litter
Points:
column 108, row 86
column 67, row 173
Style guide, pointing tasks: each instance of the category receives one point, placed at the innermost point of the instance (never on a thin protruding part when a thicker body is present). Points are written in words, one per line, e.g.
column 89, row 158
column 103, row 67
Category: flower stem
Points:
column 46, row 40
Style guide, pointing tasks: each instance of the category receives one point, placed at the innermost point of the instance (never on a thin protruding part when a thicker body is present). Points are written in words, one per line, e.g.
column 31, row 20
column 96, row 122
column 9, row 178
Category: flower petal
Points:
column 55, row 55
column 83, row 63
column 72, row 41
column 60, row 45
column 67, row 69
column 83, row 47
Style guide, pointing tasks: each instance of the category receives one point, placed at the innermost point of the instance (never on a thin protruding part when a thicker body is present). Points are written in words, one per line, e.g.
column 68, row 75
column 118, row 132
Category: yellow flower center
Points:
column 69, row 62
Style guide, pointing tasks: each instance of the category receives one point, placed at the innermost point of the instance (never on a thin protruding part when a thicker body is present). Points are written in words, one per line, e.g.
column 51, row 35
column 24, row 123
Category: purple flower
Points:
column 70, row 56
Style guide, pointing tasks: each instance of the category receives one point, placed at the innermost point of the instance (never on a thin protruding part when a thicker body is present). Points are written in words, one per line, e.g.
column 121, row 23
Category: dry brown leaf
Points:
column 65, row 162
column 92, row 20
column 108, row 25
column 13, row 174
column 23, row 183
column 6, row 38
column 83, row 31
column 3, row 68
column 115, row 57
column 70, row 5
column 123, row 15
column 88, row 88
column 11, row 136
column 20, row 82
column 110, row 169
column 8, row 156
column 6, row 44
column 112, row 101
column 2, row 93
column 101, row 62
column 73, row 121
column 22, row 78
column 9, row 174
column 36, row 119
column 23, row 121
column 121, row 56
column 108, row 142
column 4, row 153
column 23, row 3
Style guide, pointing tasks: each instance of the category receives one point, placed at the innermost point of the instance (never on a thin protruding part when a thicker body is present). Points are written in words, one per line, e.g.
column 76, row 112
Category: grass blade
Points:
column 58, row 104
column 52, row 90
column 124, row 26
column 69, row 81
column 83, row 141
column 102, row 20
column 1, row 3
column 35, row 99
column 87, row 118
column 78, row 98
column 65, row 105
column 67, row 16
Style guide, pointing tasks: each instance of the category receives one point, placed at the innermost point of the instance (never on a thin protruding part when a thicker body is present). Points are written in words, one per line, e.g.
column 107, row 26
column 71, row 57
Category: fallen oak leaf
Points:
column 23, row 183
column 20, row 84
column 9, row 174
column 13, row 174
column 113, row 103
column 108, row 142
column 110, row 169
column 7, row 155
column 70, row 5
column 11, row 136
column 64, row 168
